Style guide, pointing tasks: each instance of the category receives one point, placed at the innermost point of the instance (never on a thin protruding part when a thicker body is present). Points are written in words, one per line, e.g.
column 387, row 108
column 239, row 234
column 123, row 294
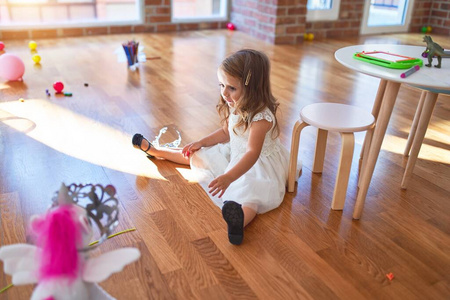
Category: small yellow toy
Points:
column 32, row 45
column 308, row 36
column 36, row 58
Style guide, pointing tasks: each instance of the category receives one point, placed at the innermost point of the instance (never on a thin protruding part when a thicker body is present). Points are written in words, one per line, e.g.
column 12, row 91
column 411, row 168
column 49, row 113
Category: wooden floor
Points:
column 302, row 250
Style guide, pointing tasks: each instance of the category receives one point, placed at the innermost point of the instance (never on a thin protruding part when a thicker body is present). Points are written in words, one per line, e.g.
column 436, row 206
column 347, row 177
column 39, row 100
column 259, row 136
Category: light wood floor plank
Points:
column 301, row 250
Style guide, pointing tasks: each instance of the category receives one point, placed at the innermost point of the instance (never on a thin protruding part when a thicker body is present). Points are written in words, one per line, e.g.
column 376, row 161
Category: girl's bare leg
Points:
column 172, row 154
column 249, row 214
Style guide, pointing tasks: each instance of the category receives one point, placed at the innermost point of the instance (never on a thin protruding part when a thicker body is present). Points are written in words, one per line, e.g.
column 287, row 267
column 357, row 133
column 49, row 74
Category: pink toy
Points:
column 58, row 86
column 12, row 67
column 231, row 26
column 59, row 262
column 2, row 46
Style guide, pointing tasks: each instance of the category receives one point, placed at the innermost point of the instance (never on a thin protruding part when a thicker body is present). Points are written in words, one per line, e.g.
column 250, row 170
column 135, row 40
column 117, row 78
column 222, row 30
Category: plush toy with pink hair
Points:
column 59, row 261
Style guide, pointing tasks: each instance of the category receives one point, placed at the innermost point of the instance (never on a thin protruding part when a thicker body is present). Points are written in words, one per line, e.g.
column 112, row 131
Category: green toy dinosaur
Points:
column 433, row 49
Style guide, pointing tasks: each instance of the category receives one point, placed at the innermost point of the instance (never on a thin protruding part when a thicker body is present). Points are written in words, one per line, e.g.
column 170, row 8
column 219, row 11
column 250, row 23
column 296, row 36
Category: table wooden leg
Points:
column 424, row 119
column 367, row 141
column 412, row 132
column 368, row 137
column 375, row 112
column 387, row 106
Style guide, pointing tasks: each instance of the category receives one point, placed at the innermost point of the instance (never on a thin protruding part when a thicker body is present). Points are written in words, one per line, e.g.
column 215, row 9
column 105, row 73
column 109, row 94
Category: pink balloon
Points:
column 11, row 67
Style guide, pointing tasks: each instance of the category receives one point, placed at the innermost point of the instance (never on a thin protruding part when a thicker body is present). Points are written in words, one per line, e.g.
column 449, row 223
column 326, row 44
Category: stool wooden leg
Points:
column 343, row 173
column 295, row 141
column 319, row 155
column 414, row 124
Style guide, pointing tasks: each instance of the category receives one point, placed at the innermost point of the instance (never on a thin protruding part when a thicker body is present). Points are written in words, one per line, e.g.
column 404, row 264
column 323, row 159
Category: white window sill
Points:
column 73, row 24
column 199, row 19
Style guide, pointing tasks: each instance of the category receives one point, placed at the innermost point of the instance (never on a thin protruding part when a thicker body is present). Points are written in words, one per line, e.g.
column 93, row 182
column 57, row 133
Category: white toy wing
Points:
column 19, row 261
column 100, row 268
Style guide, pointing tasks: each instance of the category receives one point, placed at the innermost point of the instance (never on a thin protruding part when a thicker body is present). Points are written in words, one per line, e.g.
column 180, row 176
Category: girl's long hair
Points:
column 252, row 68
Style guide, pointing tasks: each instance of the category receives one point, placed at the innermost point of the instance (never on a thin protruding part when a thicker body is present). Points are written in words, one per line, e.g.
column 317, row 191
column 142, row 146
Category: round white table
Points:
column 430, row 79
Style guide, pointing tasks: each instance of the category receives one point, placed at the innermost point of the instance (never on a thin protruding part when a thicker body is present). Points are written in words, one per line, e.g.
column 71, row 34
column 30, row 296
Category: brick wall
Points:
column 347, row 24
column 284, row 21
column 157, row 19
column 255, row 19
column 434, row 13
column 275, row 21
column 440, row 17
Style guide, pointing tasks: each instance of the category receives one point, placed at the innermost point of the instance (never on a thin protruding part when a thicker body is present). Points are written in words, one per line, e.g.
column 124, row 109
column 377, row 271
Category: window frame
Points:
column 399, row 28
column 331, row 14
column 140, row 5
column 224, row 16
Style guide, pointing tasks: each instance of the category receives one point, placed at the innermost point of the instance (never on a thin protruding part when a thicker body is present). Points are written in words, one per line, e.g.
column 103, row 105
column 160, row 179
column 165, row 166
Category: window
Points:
column 386, row 16
column 65, row 12
column 387, row 12
column 199, row 10
column 322, row 10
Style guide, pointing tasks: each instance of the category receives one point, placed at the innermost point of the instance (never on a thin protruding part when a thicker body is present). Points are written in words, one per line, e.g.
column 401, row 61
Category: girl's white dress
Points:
column 263, row 186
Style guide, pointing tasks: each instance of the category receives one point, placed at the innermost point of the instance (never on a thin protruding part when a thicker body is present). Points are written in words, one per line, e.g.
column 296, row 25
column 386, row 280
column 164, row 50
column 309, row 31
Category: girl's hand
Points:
column 191, row 148
column 220, row 185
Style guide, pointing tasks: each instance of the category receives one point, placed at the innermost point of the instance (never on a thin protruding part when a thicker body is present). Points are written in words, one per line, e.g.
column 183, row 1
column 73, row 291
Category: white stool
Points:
column 342, row 118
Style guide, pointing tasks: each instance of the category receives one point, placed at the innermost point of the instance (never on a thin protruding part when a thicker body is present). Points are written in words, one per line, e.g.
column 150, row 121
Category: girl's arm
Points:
column 221, row 135
column 256, row 137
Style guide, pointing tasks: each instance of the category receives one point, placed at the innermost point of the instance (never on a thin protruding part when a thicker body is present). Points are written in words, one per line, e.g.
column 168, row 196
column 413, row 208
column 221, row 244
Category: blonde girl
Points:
column 242, row 165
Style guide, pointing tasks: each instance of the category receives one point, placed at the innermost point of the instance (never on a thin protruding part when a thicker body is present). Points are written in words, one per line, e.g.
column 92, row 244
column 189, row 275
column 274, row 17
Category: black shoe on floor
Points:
column 137, row 143
column 234, row 216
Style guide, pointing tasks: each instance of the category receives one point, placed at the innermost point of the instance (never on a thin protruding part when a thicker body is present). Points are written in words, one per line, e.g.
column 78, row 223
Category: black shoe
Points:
column 234, row 216
column 137, row 143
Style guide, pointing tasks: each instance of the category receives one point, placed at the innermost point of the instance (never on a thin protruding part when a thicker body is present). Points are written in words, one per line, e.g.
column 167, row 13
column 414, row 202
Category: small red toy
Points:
column 2, row 46
column 58, row 86
column 390, row 276
column 231, row 26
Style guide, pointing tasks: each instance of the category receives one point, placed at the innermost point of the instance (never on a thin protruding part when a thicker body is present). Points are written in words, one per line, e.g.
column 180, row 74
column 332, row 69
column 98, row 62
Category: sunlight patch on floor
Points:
column 187, row 174
column 20, row 124
column 78, row 136
column 4, row 86
column 397, row 145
